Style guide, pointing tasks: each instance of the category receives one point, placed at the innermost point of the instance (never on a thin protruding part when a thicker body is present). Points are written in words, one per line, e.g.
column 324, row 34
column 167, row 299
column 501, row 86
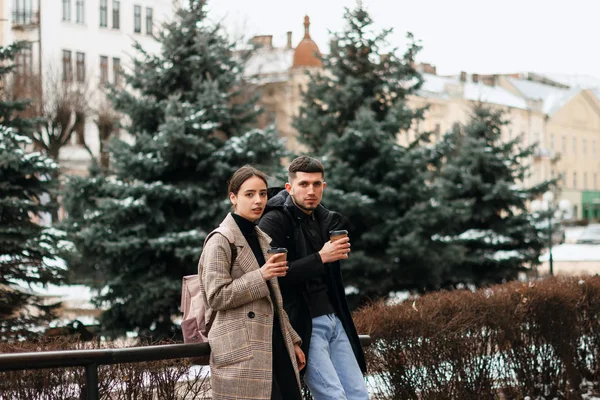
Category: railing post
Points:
column 91, row 381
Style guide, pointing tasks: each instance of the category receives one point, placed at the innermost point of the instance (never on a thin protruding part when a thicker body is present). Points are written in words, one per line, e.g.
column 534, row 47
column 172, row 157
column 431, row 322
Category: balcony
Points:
column 22, row 19
column 542, row 152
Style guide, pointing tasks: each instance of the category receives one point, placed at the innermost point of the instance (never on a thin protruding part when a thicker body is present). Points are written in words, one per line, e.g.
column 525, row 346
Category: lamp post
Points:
column 548, row 199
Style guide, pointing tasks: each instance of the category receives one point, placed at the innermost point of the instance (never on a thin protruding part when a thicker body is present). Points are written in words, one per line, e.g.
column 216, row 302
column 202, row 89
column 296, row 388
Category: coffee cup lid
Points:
column 276, row 250
column 338, row 233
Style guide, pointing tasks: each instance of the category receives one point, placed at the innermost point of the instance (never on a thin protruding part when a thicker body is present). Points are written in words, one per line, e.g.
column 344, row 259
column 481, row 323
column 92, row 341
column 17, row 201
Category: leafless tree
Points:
column 107, row 121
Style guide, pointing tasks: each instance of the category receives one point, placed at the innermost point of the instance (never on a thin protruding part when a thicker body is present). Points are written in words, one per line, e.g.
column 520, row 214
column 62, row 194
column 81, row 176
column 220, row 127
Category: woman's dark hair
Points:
column 305, row 164
column 242, row 175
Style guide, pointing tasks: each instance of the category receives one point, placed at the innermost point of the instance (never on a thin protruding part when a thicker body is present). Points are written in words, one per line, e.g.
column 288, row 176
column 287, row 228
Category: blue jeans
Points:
column 332, row 372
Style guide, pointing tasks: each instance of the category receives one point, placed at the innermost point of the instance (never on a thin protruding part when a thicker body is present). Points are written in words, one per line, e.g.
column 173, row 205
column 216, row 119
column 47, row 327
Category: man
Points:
column 312, row 290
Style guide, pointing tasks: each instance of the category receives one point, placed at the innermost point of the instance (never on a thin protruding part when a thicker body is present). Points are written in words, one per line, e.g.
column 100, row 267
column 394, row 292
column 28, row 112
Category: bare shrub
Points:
column 514, row 340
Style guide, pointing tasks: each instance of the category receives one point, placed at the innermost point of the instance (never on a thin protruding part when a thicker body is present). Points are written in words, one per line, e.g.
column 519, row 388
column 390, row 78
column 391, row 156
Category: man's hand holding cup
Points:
column 337, row 248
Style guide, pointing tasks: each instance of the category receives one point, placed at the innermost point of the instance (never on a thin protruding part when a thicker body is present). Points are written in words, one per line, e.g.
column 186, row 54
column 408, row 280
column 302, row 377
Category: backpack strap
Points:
column 230, row 238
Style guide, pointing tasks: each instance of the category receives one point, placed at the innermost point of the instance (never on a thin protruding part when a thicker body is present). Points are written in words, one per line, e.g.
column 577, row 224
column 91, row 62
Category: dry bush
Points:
column 538, row 339
column 166, row 379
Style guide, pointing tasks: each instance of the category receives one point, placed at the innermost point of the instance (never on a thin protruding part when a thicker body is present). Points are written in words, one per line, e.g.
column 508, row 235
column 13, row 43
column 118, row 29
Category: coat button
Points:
column 251, row 314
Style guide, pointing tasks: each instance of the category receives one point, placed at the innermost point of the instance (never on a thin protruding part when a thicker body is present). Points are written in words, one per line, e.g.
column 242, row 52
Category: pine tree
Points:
column 354, row 111
column 499, row 236
column 28, row 251
column 357, row 75
column 140, row 229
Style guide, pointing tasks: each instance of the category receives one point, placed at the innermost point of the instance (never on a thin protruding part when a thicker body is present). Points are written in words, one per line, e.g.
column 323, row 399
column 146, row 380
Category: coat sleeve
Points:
column 301, row 270
column 222, row 291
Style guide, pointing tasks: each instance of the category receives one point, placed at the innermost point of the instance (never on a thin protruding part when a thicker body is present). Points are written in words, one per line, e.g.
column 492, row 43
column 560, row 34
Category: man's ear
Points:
column 288, row 187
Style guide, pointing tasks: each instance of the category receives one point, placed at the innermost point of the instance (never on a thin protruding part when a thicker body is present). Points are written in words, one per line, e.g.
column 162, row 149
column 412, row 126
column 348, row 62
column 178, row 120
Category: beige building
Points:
column 572, row 136
column 280, row 74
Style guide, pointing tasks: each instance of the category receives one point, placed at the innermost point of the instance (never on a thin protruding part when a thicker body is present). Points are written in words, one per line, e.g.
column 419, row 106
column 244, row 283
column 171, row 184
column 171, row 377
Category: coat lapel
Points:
column 245, row 256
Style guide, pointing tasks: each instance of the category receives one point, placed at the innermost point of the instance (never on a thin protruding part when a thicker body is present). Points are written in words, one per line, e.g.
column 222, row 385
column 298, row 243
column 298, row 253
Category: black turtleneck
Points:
column 248, row 229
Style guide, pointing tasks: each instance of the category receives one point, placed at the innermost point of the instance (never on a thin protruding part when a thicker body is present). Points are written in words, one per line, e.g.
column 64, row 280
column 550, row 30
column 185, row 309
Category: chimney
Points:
column 463, row 76
column 475, row 78
column 427, row 68
column 289, row 39
column 262, row 41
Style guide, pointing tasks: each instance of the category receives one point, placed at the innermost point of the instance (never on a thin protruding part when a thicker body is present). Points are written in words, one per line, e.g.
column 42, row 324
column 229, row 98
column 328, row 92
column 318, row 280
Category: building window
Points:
column 564, row 145
column 24, row 12
column 585, row 181
column 24, row 63
column 137, row 19
column 116, row 71
column 583, row 147
column 437, row 131
column 66, row 10
column 103, row 69
column 574, row 180
column 552, row 142
column 80, row 67
column 574, row 146
column 149, row 22
column 67, row 66
column 103, row 13
column 80, row 11
column 116, row 14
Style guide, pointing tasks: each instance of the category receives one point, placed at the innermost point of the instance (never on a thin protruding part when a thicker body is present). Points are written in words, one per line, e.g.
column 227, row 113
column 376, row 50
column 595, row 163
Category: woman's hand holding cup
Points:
column 276, row 265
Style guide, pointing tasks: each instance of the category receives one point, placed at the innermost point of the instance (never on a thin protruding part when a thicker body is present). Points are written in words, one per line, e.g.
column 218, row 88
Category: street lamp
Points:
column 548, row 199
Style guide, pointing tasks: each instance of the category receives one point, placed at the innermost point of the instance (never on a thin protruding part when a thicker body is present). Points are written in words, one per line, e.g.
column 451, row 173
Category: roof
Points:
column 445, row 87
column 583, row 81
column 307, row 52
column 553, row 98
column 271, row 64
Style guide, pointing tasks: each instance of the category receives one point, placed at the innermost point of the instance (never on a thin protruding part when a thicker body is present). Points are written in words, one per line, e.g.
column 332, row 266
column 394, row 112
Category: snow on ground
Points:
column 574, row 252
column 571, row 258
column 572, row 233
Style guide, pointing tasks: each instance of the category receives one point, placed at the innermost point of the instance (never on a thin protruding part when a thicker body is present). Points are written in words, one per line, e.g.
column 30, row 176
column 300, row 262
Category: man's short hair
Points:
column 305, row 164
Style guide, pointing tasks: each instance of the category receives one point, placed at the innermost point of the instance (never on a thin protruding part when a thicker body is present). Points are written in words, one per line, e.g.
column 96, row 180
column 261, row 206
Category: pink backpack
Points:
column 197, row 316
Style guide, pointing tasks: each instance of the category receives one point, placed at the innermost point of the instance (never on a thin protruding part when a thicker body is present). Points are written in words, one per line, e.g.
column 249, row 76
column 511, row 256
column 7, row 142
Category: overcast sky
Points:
column 477, row 36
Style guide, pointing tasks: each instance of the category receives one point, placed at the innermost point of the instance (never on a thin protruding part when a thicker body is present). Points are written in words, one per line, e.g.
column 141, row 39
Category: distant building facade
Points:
column 87, row 42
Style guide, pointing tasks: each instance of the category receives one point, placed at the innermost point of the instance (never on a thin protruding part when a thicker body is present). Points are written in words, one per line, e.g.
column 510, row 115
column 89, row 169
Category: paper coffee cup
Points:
column 337, row 235
column 278, row 250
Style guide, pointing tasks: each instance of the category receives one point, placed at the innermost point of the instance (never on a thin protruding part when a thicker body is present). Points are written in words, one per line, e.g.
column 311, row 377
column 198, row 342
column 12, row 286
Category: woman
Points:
column 255, row 353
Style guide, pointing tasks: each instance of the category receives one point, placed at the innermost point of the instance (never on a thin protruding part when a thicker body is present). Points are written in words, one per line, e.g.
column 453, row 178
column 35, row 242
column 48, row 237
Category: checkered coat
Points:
column 241, row 309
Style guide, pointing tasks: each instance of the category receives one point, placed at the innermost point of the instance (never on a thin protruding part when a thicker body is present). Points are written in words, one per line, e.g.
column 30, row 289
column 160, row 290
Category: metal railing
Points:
column 91, row 359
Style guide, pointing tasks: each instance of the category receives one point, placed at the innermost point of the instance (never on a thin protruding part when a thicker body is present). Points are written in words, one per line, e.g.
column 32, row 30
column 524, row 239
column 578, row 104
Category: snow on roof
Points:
column 439, row 86
column 574, row 80
column 493, row 94
column 269, row 61
column 553, row 98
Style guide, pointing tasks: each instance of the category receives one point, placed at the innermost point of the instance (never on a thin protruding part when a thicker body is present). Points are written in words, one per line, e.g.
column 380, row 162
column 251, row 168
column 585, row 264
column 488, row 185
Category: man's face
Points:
column 306, row 190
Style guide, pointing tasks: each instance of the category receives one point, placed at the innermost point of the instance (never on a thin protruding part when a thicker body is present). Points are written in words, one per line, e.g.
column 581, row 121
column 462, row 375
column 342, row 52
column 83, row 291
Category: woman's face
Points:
column 251, row 199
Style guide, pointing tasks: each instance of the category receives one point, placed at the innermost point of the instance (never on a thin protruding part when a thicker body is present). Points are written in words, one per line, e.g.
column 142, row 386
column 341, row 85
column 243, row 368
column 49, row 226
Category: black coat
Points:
column 280, row 224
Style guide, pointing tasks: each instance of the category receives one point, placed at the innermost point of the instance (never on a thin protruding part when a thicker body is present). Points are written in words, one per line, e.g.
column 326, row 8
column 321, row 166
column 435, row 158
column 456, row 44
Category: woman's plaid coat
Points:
column 240, row 308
